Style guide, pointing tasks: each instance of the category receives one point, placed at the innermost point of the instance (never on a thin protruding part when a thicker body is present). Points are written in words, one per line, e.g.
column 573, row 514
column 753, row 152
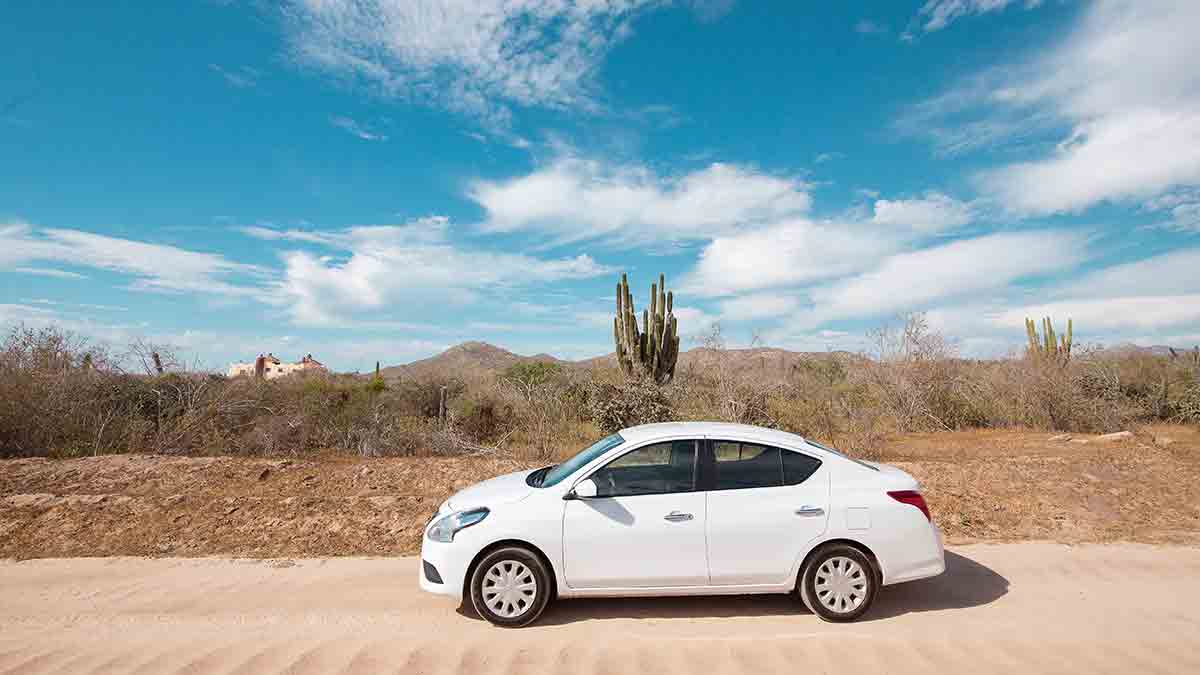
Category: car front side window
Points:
column 658, row 468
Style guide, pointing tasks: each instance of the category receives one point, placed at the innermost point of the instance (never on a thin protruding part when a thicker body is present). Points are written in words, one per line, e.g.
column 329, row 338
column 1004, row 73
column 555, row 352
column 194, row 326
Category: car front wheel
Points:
column 510, row 587
column 839, row 583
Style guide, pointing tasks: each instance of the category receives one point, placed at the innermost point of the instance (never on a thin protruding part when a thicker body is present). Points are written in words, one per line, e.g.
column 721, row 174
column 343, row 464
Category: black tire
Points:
column 857, row 583
column 526, row 567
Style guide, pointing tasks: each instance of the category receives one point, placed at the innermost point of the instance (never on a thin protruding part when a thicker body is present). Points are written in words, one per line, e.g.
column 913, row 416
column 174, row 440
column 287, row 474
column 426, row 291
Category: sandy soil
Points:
column 1010, row 608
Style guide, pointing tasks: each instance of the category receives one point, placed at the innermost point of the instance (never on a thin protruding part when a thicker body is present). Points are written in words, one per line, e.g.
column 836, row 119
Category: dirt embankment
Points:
column 993, row 485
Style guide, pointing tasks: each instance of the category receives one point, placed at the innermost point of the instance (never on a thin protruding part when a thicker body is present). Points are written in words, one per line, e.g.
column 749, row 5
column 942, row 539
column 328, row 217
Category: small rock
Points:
column 1061, row 438
column 1113, row 437
column 231, row 510
column 1163, row 441
column 366, row 471
column 264, row 473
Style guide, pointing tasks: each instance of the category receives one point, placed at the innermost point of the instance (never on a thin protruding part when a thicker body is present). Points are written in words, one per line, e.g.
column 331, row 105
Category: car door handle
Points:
column 810, row 511
column 677, row 517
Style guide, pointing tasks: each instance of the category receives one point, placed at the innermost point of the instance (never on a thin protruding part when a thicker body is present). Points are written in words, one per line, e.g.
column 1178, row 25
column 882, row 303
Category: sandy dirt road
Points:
column 1011, row 608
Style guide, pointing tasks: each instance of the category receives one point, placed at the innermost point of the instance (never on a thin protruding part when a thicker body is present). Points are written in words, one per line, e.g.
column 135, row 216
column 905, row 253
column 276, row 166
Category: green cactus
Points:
column 1048, row 344
column 653, row 351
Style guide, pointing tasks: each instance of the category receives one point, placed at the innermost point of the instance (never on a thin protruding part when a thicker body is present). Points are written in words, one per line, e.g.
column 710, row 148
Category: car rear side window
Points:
column 746, row 465
column 797, row 467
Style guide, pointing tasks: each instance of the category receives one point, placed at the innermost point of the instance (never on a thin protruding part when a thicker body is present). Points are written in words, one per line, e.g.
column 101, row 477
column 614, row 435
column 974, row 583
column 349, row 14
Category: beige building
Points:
column 272, row 367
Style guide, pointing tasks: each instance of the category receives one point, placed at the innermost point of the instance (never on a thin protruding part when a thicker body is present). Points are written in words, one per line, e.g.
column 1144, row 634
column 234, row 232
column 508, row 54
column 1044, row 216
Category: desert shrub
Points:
column 638, row 401
column 532, row 373
column 1187, row 405
column 482, row 414
column 422, row 397
column 61, row 396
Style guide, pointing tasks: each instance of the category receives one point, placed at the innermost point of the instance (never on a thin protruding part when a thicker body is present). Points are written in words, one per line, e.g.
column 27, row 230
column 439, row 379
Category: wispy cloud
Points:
column 710, row 10
column 472, row 57
column 918, row 279
column 241, row 77
column 869, row 27
column 357, row 129
column 935, row 15
column 50, row 272
column 153, row 267
column 1116, row 102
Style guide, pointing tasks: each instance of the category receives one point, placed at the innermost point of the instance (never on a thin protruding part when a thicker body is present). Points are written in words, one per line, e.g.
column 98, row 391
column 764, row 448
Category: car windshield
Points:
column 560, row 471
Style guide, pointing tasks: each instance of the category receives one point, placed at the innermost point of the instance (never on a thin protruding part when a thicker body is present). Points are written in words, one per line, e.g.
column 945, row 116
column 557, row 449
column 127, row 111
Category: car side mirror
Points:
column 585, row 489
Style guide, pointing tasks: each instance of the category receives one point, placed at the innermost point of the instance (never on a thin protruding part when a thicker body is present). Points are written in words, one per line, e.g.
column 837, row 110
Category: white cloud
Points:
column 759, row 306
column 935, row 212
column 1144, row 301
column 789, row 253
column 1124, row 85
column 693, row 321
column 467, row 56
column 415, row 265
column 50, row 272
column 937, row 14
column 576, row 199
column 155, row 267
column 1173, row 273
column 919, row 279
column 357, row 129
column 1138, row 312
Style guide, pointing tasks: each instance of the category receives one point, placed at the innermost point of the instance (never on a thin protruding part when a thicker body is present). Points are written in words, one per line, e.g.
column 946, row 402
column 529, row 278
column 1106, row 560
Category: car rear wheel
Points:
column 839, row 583
column 510, row 587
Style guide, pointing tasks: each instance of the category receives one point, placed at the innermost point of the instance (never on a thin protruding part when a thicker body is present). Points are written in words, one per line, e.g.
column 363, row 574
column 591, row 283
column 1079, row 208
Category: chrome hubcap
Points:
column 509, row 588
column 841, row 584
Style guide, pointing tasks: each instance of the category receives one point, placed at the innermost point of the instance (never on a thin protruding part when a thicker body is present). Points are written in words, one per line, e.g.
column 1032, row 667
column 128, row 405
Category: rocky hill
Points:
column 476, row 358
column 464, row 359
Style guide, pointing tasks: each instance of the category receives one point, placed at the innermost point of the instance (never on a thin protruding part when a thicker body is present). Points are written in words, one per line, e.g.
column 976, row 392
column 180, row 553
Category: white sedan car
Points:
column 688, row 508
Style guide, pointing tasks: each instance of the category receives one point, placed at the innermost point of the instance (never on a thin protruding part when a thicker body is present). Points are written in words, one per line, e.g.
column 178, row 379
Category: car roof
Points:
column 649, row 432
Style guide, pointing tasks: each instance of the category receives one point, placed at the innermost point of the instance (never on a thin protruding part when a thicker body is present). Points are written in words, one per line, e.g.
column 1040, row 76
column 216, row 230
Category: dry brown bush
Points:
column 61, row 396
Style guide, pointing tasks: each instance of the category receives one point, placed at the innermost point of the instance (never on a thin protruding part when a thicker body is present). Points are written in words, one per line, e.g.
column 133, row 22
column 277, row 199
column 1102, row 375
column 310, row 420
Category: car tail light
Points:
column 914, row 498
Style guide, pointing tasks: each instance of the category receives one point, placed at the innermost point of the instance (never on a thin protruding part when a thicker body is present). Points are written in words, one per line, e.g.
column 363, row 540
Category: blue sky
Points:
column 377, row 180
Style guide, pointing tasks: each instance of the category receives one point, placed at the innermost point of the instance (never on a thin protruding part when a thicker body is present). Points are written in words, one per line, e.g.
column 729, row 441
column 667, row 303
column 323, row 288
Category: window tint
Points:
column 746, row 465
column 652, row 469
column 797, row 467
column 561, row 471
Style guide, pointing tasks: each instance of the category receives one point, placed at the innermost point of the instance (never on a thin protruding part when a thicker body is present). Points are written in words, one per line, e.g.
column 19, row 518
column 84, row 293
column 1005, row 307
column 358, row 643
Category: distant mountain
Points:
column 1152, row 350
column 465, row 359
column 475, row 358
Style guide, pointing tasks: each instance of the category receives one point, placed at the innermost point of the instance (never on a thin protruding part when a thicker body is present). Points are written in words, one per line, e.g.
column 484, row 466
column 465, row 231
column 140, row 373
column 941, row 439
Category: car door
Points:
column 644, row 528
column 765, row 504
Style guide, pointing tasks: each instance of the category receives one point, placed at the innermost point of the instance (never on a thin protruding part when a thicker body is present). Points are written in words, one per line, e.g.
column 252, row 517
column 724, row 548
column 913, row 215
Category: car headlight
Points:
column 443, row 529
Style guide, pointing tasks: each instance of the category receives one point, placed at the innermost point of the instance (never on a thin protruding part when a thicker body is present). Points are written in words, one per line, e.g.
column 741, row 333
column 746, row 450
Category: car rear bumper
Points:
column 928, row 559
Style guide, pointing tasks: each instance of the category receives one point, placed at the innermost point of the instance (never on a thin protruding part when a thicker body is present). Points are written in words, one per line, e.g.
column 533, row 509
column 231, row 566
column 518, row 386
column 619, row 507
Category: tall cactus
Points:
column 1046, row 345
column 653, row 351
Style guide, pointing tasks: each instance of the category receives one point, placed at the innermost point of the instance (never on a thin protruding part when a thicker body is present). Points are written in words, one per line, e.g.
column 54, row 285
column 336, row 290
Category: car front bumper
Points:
column 449, row 563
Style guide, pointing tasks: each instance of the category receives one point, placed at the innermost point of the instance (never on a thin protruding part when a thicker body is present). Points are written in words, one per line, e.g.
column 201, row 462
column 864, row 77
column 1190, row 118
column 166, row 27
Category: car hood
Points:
column 504, row 489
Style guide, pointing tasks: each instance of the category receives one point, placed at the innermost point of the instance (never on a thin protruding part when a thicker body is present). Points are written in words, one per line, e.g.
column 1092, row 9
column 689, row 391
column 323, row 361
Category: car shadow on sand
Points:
column 965, row 583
